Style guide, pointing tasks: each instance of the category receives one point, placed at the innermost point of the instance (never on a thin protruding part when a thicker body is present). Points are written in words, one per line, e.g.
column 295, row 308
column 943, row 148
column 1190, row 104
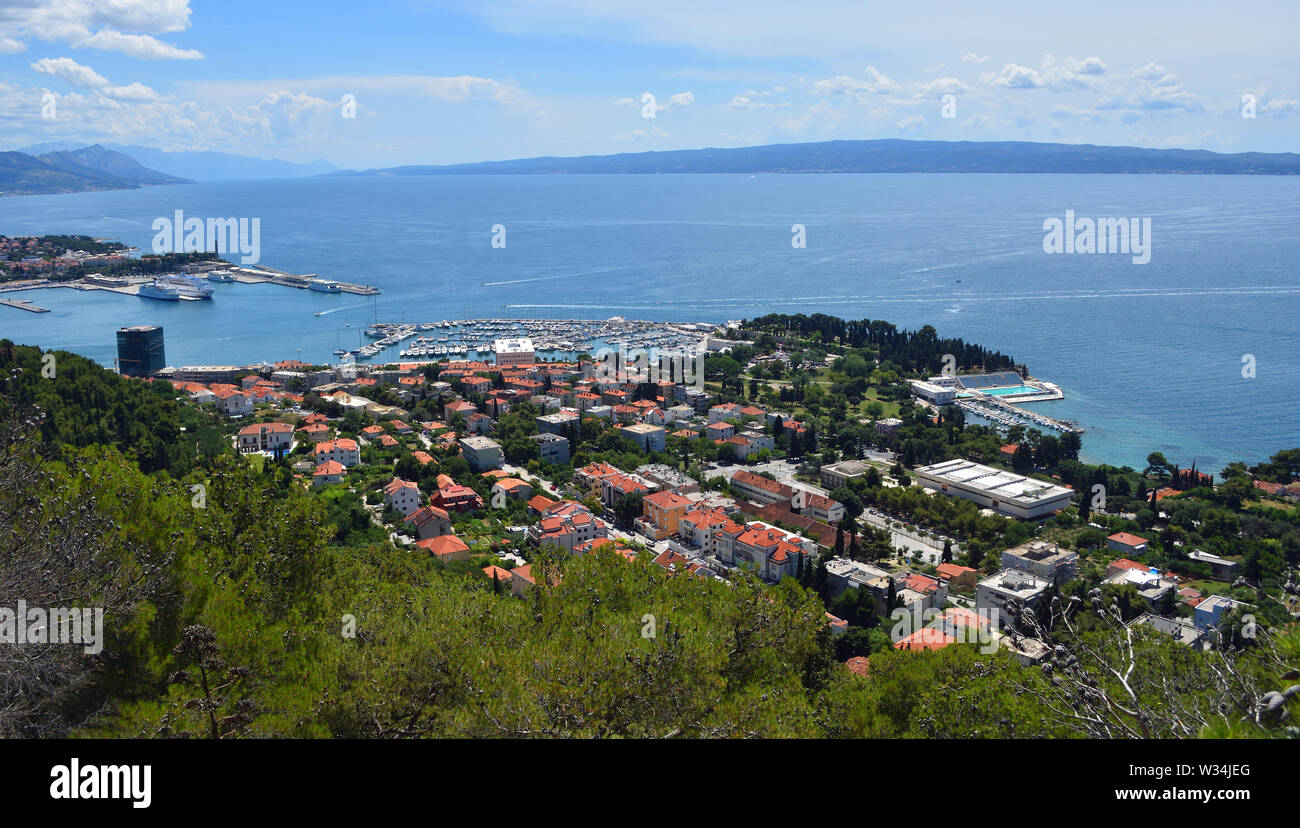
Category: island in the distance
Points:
column 885, row 156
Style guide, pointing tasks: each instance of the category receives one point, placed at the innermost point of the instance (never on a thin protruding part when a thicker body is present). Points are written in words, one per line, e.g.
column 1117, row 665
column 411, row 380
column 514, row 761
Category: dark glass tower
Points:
column 140, row 350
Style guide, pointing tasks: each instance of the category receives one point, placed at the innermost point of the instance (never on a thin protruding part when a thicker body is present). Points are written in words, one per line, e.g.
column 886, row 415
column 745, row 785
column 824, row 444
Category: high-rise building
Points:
column 140, row 350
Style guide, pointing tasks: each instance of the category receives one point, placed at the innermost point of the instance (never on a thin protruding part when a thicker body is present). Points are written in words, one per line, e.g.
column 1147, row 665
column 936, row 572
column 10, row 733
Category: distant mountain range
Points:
column 75, row 171
column 200, row 165
column 885, row 156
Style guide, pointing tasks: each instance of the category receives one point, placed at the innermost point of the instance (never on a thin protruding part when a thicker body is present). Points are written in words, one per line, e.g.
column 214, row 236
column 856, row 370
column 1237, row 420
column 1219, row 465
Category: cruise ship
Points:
column 155, row 290
column 189, row 287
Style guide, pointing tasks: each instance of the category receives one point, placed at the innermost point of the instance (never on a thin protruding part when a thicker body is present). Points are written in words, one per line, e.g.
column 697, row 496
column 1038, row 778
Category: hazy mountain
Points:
column 106, row 162
column 73, row 171
column 202, row 165
column 886, row 156
column 22, row 174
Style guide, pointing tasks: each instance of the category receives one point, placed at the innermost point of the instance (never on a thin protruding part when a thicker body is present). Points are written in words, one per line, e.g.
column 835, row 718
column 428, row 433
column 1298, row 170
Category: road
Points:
column 916, row 544
column 547, row 487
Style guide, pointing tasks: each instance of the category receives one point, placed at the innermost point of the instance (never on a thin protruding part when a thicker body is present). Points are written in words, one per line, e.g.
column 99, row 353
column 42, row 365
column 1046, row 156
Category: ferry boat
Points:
column 188, row 287
column 324, row 286
column 155, row 290
column 221, row 276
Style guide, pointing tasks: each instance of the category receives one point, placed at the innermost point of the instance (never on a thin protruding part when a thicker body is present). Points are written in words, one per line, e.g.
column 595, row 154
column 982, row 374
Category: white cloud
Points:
column 880, row 82
column 911, row 122
column 73, row 73
column 638, row 135
column 1280, row 107
column 1067, row 112
column 745, row 102
column 844, row 84
column 1153, row 90
column 1073, row 74
column 132, row 92
column 1014, row 76
column 682, row 99
column 940, row 86
column 971, row 57
column 83, row 77
column 125, row 26
column 1087, row 66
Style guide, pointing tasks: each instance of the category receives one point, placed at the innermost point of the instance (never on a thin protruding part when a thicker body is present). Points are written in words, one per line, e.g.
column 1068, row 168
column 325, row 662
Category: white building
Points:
column 818, row 507
column 1011, row 494
column 515, row 351
column 1044, row 560
column 552, row 448
column 343, row 451
column 266, row 437
column 648, row 437
column 482, row 453
column 933, row 392
column 234, row 403
column 993, row 594
column 327, row 473
column 402, row 495
column 1209, row 612
column 1149, row 583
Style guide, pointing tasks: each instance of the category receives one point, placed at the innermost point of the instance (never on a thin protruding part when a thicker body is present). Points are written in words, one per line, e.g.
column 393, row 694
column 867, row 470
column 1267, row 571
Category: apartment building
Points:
column 482, row 453
column 993, row 594
column 402, row 495
column 760, row 489
column 566, row 525
column 1044, row 560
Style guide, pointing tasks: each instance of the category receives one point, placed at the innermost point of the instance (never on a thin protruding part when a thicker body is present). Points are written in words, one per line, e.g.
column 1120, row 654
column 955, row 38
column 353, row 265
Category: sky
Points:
column 376, row 84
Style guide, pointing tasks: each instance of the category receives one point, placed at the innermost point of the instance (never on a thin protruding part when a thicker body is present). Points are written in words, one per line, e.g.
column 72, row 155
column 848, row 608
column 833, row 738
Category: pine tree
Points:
column 947, row 551
column 822, row 580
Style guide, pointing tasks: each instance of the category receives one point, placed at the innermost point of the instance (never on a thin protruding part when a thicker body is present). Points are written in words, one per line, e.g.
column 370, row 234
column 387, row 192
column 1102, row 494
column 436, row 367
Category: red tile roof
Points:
column 926, row 638
column 442, row 545
column 1127, row 538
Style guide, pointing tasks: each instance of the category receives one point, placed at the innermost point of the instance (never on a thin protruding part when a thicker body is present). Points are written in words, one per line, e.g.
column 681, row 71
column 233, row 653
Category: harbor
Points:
column 558, row 337
column 262, row 274
column 195, row 283
column 1004, row 415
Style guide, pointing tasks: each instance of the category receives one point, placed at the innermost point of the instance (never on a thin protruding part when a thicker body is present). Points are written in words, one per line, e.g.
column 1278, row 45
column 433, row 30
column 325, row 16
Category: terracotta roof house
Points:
column 445, row 548
column 1127, row 543
column 429, row 522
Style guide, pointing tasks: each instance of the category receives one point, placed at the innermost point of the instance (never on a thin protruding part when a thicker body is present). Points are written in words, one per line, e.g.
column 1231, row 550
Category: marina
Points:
column 1004, row 415
column 557, row 337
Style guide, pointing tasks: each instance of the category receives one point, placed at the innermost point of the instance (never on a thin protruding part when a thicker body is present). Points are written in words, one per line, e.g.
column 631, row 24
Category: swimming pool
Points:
column 1008, row 391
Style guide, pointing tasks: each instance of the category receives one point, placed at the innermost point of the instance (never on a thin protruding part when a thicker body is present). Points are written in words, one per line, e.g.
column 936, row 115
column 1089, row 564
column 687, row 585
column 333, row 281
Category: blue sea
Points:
column 1150, row 356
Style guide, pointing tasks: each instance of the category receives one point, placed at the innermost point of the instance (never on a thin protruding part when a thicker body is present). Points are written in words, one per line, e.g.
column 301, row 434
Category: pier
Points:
column 269, row 275
column 23, row 304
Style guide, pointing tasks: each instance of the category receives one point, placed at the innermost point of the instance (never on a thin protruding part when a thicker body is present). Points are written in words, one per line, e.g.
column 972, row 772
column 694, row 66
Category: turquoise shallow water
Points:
column 1149, row 356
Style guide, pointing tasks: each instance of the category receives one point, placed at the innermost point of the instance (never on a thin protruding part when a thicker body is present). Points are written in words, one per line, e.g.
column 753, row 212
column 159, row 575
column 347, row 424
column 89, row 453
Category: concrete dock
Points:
column 23, row 304
column 264, row 274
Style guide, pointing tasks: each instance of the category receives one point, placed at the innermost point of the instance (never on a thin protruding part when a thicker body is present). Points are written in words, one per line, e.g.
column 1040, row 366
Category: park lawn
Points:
column 1209, row 587
column 1277, row 504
